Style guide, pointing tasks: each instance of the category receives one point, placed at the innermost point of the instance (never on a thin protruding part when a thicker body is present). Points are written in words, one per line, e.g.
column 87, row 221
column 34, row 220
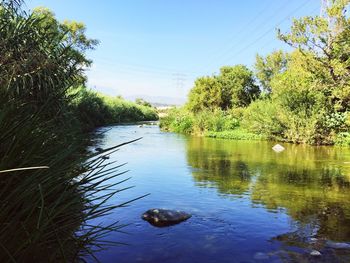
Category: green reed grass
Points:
column 46, row 214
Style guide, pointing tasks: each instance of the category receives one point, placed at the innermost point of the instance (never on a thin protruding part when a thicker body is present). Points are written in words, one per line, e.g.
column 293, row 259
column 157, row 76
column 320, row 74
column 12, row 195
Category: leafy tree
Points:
column 206, row 93
column 267, row 67
column 142, row 102
column 238, row 86
column 308, row 89
column 326, row 41
column 40, row 57
column 233, row 87
column 69, row 33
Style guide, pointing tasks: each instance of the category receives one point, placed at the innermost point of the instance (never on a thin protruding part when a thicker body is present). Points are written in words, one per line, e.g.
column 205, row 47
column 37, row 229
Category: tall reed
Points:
column 51, row 188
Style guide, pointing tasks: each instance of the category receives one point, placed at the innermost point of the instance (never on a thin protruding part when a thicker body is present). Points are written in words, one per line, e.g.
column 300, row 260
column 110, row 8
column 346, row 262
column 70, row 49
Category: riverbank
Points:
column 214, row 124
column 95, row 109
column 237, row 124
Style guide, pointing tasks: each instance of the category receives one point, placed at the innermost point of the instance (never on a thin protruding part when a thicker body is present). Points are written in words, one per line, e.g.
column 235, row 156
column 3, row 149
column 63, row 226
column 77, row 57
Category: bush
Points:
column 94, row 109
column 216, row 120
column 262, row 117
column 183, row 121
column 177, row 120
column 343, row 139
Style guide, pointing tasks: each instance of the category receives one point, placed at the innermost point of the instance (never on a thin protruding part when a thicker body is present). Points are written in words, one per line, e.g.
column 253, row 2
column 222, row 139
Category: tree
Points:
column 206, row 94
column 233, row 87
column 326, row 41
column 268, row 67
column 142, row 102
column 238, row 86
column 40, row 57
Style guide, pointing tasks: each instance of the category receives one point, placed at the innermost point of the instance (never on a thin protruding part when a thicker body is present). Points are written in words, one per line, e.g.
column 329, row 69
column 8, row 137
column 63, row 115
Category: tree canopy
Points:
column 233, row 87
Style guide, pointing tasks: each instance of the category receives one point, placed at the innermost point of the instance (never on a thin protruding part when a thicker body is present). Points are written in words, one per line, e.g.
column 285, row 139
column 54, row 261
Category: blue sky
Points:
column 159, row 47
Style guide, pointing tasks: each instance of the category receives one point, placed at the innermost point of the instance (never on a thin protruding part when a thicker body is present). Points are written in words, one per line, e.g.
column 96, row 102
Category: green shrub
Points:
column 94, row 109
column 343, row 139
column 177, row 120
column 181, row 120
column 262, row 117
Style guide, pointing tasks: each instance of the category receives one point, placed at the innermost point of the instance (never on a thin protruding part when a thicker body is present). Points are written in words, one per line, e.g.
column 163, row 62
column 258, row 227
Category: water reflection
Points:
column 248, row 204
column 310, row 184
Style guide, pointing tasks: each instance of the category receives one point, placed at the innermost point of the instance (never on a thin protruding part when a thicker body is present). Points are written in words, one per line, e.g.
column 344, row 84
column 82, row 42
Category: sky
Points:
column 157, row 48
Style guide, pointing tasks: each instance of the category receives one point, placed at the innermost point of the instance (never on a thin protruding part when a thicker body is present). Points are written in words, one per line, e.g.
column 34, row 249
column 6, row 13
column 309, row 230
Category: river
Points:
column 249, row 204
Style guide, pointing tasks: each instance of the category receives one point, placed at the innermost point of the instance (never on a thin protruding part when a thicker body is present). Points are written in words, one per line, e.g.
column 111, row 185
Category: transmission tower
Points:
column 180, row 79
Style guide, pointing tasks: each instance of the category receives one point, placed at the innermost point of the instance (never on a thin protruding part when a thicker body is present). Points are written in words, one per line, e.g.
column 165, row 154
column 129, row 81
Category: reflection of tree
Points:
column 317, row 198
column 300, row 180
column 218, row 169
column 232, row 178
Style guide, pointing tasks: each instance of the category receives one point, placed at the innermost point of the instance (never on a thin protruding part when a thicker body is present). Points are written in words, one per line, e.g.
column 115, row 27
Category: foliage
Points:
column 268, row 67
column 142, row 102
column 46, row 212
column 233, row 87
column 306, row 92
column 183, row 121
column 41, row 58
column 262, row 117
column 325, row 39
column 93, row 109
column 216, row 120
column 343, row 139
column 177, row 120
column 206, row 94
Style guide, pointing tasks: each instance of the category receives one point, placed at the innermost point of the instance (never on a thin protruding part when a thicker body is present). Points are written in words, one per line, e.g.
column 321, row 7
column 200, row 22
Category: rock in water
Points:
column 315, row 253
column 164, row 217
column 278, row 148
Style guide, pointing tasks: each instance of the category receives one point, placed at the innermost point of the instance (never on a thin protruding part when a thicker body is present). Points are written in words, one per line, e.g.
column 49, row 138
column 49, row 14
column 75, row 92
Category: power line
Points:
column 266, row 32
column 268, row 43
column 219, row 52
column 181, row 76
column 143, row 67
column 243, row 29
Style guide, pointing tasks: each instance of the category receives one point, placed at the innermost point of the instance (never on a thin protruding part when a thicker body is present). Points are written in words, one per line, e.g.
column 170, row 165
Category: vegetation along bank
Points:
column 50, row 185
column 300, row 96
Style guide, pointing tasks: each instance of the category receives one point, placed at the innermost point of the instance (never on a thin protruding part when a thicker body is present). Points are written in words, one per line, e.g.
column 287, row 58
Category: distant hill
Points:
column 159, row 101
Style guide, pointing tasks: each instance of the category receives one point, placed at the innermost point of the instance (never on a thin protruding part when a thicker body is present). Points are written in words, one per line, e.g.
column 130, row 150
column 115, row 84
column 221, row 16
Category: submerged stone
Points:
column 278, row 148
column 315, row 253
column 164, row 217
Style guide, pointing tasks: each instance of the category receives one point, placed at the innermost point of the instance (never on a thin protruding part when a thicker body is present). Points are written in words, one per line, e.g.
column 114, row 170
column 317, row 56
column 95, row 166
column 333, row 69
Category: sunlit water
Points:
column 249, row 204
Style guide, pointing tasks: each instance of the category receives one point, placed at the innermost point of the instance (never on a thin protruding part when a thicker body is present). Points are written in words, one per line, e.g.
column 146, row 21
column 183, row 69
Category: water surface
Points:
column 249, row 204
